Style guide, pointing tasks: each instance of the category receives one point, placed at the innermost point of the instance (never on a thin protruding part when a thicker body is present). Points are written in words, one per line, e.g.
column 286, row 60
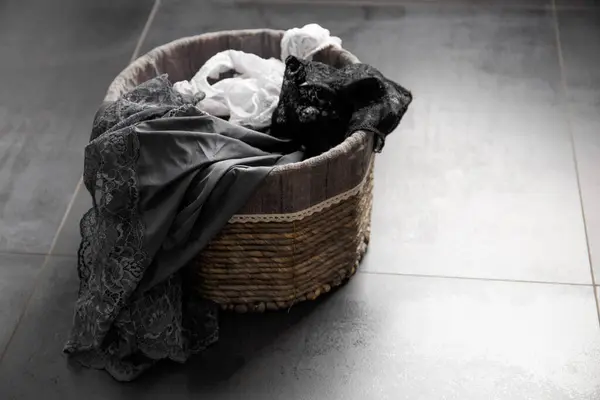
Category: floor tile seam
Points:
column 37, row 255
column 49, row 255
column 441, row 3
column 22, row 253
column 569, row 121
column 475, row 278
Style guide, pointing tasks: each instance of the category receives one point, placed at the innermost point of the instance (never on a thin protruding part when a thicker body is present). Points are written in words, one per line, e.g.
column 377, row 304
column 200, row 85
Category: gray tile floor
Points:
column 479, row 282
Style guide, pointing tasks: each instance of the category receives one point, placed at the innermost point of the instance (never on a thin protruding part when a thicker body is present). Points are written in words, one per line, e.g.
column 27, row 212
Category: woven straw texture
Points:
column 306, row 228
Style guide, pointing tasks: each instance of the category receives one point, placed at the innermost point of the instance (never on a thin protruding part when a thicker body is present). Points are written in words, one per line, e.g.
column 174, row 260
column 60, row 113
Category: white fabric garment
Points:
column 251, row 96
column 209, row 105
column 307, row 41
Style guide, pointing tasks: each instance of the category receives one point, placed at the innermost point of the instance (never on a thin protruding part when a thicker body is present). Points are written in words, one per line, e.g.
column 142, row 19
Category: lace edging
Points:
column 299, row 215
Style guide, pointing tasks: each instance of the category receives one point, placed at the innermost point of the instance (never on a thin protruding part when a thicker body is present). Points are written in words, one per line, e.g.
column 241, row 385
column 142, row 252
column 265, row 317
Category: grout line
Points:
column 65, row 216
column 134, row 55
column 565, row 90
column 142, row 38
column 401, row 4
column 470, row 278
column 35, row 255
column 22, row 253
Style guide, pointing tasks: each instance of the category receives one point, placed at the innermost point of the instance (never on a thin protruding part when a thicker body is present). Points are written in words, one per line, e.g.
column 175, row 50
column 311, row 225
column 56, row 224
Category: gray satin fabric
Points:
column 195, row 173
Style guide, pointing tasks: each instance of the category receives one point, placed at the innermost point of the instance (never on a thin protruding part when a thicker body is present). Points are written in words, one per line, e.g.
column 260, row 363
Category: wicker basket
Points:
column 306, row 228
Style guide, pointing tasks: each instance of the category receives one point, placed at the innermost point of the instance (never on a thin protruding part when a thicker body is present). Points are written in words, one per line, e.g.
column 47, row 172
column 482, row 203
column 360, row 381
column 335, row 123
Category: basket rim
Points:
column 349, row 146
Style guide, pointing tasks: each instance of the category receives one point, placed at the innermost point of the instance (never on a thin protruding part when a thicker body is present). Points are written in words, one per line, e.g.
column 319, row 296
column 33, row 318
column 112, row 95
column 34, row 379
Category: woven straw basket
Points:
column 306, row 228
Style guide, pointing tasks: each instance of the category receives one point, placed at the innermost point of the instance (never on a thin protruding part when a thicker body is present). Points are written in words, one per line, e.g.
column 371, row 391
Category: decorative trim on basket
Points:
column 300, row 215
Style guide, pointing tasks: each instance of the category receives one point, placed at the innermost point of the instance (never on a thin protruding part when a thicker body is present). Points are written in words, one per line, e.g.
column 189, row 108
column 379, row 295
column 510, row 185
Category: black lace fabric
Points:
column 321, row 105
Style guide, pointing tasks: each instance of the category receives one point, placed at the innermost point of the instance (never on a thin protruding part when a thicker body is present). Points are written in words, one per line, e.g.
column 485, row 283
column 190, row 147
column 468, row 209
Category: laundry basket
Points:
column 306, row 228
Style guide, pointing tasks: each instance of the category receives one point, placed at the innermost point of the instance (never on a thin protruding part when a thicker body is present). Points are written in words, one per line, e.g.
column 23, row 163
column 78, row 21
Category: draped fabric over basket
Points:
column 169, row 183
column 165, row 178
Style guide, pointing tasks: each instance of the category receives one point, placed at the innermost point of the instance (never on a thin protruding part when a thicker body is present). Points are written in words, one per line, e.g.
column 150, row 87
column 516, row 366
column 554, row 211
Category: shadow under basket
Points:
column 306, row 228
